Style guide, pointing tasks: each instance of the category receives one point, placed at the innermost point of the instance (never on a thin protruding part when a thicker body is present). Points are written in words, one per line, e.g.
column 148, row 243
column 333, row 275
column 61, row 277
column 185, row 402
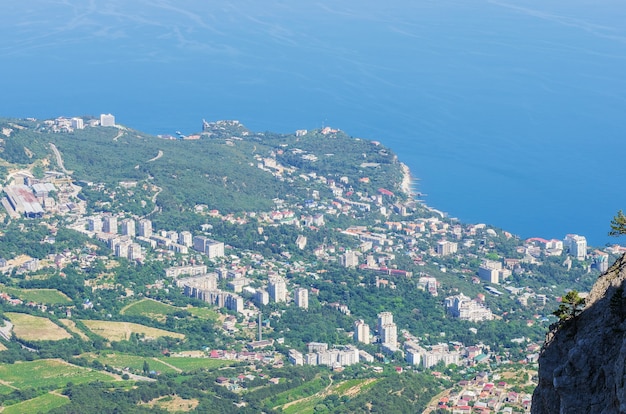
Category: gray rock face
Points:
column 582, row 366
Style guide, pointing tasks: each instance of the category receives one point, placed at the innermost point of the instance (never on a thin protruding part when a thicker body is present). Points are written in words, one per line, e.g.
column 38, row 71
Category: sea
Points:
column 508, row 112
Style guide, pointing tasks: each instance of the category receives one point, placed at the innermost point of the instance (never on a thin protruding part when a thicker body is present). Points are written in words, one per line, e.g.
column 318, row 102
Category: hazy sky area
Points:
column 510, row 112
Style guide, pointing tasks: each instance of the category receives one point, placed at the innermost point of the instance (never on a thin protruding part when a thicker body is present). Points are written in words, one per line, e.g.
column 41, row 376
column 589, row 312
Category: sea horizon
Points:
column 510, row 114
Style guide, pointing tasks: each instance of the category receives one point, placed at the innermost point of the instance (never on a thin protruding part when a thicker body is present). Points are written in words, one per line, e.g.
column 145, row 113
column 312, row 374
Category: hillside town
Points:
column 403, row 240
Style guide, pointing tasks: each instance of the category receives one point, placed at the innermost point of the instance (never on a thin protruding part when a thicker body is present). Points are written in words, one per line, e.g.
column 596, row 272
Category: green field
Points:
column 150, row 308
column 5, row 389
column 134, row 362
column 47, row 296
column 203, row 313
column 192, row 364
column 41, row 404
column 49, row 373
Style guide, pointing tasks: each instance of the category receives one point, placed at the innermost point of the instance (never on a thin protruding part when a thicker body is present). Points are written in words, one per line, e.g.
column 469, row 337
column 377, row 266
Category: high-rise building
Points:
column 211, row 248
column 185, row 238
column 278, row 289
column 77, row 123
column 109, row 224
column 445, row 248
column 350, row 259
column 301, row 297
column 214, row 249
column 387, row 331
column 128, row 227
column 145, row 228
column 107, row 120
column 261, row 297
column 361, row 332
column 577, row 245
column 492, row 271
column 134, row 252
column 94, row 224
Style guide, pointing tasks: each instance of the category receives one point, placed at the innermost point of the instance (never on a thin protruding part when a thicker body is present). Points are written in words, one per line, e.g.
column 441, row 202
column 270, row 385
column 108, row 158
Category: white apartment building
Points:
column 301, row 297
column 277, row 289
column 361, row 331
column 577, row 245
column 107, row 120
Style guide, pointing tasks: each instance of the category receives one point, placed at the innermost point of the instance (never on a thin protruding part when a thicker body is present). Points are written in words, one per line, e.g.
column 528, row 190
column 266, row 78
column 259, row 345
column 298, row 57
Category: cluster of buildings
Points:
column 204, row 287
column 126, row 235
column 32, row 198
column 320, row 354
column 464, row 308
column 63, row 124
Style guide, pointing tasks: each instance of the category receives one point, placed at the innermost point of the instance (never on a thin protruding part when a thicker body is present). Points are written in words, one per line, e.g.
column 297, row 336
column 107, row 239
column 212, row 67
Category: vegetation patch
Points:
column 2, row 347
column 308, row 389
column 120, row 331
column 354, row 387
column 71, row 326
column 36, row 328
column 349, row 388
column 47, row 296
column 48, row 373
column 192, row 364
column 203, row 313
column 150, row 308
column 131, row 362
column 174, row 403
column 41, row 404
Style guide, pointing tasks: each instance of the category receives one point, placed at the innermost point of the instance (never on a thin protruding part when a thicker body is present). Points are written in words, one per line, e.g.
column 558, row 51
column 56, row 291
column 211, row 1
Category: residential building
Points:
column 577, row 245
column 387, row 331
column 492, row 271
column 145, row 228
column 185, row 238
column 94, row 224
column 211, row 248
column 301, row 297
column 445, row 248
column 277, row 289
column 464, row 308
column 361, row 331
column 78, row 123
column 109, row 224
column 350, row 259
column 128, row 228
column 107, row 120
column 261, row 297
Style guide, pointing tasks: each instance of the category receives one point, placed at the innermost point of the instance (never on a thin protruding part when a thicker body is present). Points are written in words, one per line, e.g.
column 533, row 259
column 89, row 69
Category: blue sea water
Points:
column 511, row 113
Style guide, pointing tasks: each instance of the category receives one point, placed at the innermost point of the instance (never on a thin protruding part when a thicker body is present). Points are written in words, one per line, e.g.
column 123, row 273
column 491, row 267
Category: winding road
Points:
column 57, row 154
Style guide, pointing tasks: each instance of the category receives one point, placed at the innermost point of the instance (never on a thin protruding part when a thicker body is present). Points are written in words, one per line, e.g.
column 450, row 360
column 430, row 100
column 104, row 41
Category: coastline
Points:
column 405, row 185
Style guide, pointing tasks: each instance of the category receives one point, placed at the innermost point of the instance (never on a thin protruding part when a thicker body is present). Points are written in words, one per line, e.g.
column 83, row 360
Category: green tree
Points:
column 571, row 305
column 618, row 224
column 146, row 367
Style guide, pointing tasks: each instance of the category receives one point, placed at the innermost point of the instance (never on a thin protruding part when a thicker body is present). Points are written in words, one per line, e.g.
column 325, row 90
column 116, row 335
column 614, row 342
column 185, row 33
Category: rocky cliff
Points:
column 582, row 367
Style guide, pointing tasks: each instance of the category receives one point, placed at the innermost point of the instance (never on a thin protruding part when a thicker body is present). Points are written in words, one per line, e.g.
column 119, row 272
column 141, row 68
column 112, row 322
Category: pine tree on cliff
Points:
column 618, row 224
column 571, row 305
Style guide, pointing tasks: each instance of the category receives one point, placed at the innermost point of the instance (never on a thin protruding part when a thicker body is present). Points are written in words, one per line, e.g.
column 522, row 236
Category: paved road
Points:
column 57, row 154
